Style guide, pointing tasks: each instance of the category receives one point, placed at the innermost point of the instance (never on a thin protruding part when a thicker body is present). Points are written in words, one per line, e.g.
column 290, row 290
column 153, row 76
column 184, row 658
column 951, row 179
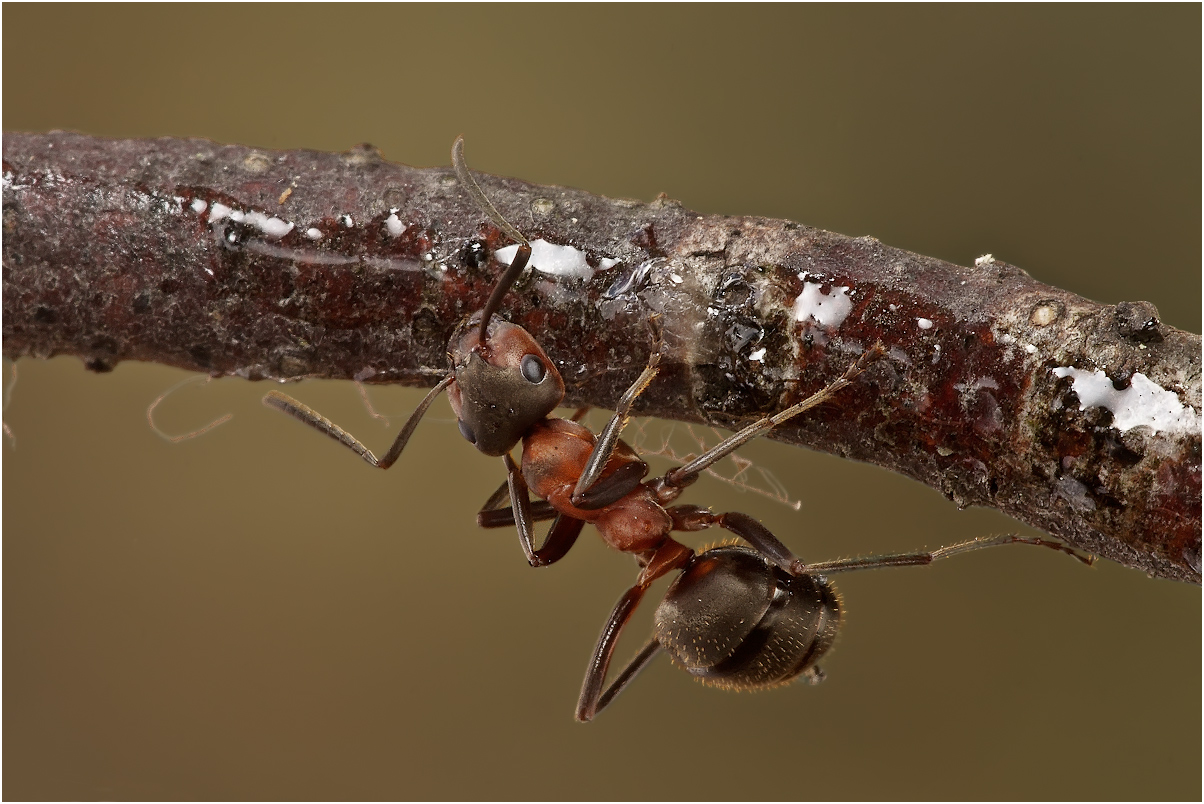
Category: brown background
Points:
column 255, row 614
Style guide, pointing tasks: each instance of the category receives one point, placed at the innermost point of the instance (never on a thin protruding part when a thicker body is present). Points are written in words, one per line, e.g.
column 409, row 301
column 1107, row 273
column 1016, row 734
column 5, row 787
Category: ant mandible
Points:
column 736, row 617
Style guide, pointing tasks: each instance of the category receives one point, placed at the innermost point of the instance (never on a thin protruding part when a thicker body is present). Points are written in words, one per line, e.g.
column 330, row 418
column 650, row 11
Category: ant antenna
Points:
column 524, row 248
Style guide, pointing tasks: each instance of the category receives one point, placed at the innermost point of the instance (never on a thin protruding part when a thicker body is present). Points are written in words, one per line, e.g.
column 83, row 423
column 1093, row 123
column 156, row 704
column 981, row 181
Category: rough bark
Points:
column 283, row 265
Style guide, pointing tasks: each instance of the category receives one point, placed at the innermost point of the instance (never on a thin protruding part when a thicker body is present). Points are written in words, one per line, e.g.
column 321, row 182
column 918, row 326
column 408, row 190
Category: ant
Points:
column 737, row 617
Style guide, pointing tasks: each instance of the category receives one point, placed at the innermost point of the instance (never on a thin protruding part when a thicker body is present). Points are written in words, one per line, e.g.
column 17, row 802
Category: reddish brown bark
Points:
column 117, row 250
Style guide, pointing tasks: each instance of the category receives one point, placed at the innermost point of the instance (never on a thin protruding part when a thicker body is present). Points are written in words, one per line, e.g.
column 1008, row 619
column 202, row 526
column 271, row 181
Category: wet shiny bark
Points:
column 284, row 265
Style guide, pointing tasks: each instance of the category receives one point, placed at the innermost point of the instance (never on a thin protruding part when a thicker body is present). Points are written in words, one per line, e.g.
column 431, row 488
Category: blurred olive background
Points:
column 256, row 614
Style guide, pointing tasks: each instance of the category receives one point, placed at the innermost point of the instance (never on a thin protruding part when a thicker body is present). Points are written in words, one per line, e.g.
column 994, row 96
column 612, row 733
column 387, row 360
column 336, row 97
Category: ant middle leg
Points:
column 307, row 415
column 625, row 677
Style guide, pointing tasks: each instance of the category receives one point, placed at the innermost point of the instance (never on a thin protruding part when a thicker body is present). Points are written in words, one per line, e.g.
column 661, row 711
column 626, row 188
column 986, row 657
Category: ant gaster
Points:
column 735, row 617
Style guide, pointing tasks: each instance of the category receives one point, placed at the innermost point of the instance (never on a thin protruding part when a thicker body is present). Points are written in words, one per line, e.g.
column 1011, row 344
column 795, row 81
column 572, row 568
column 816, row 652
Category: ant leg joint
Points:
column 676, row 479
column 765, row 543
column 689, row 518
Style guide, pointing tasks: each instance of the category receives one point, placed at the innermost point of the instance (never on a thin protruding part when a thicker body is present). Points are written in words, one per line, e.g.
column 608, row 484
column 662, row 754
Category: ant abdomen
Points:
column 735, row 621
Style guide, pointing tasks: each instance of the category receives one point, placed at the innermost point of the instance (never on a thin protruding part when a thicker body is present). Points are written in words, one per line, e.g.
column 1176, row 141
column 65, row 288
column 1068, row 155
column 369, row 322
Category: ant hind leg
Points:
column 693, row 517
column 919, row 559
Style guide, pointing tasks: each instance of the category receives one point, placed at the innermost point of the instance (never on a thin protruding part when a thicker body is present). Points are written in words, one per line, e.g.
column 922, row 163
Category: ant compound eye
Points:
column 467, row 432
column 533, row 369
column 474, row 253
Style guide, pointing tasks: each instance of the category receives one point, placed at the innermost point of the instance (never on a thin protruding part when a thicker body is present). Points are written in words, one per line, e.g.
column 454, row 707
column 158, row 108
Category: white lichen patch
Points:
column 1143, row 404
column 549, row 258
column 218, row 212
column 271, row 227
column 393, row 224
column 924, row 323
column 826, row 309
column 984, row 260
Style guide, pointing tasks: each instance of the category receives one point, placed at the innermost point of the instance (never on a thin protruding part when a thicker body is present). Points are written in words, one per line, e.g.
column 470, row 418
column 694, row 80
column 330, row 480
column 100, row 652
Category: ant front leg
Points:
column 561, row 537
column 563, row 533
column 307, row 415
column 502, row 492
column 541, row 511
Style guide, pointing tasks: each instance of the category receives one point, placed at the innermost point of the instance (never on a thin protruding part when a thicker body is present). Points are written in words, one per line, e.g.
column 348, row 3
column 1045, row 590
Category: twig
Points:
column 194, row 254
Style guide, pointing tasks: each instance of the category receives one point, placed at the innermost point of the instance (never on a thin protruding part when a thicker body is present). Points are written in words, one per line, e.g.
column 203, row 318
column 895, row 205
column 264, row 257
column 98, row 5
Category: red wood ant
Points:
column 736, row 617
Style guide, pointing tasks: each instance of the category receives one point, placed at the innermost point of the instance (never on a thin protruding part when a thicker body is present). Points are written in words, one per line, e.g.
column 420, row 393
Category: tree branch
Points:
column 294, row 264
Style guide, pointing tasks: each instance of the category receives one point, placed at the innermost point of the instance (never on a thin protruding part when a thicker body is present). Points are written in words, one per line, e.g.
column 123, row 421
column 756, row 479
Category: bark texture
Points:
column 285, row 265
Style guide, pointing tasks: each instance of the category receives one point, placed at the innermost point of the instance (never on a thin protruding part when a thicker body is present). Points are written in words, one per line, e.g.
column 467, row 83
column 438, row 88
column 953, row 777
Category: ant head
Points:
column 734, row 620
column 503, row 386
